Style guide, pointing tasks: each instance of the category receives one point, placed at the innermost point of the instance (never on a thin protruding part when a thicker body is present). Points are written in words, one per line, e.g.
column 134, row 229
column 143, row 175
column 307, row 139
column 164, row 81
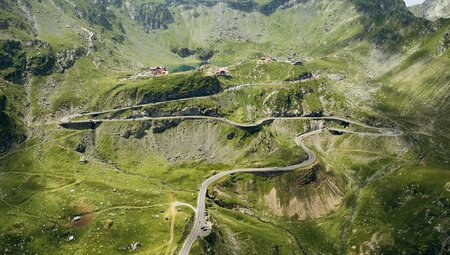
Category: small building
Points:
column 266, row 59
column 158, row 70
column 222, row 72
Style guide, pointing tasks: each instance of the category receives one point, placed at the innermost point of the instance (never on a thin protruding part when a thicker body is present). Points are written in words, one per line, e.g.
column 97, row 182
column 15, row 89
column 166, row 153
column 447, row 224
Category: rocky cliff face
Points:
column 432, row 9
column 151, row 15
column 35, row 57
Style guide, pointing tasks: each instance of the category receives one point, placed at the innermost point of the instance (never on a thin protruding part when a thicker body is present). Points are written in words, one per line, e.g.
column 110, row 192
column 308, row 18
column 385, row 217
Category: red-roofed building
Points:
column 158, row 70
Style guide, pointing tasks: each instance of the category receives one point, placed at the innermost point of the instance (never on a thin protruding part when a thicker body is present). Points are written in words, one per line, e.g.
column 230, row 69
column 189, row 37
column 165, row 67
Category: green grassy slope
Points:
column 127, row 180
column 415, row 94
column 375, row 62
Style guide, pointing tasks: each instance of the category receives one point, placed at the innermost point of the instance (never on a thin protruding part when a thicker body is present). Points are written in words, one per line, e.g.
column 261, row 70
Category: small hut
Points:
column 222, row 72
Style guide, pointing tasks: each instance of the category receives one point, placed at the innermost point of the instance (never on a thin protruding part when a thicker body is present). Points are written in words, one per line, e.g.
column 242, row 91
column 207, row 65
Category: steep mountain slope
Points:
column 78, row 49
column 369, row 60
column 80, row 41
column 12, row 128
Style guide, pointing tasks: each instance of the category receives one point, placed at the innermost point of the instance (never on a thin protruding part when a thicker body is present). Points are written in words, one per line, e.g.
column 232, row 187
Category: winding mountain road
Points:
column 200, row 217
column 139, row 106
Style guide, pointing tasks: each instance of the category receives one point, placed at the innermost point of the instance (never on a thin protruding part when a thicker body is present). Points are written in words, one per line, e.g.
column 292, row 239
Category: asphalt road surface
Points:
column 200, row 218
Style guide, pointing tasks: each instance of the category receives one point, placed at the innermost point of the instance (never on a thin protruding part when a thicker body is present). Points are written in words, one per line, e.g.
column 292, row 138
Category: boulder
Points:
column 83, row 160
column 135, row 246
column 108, row 224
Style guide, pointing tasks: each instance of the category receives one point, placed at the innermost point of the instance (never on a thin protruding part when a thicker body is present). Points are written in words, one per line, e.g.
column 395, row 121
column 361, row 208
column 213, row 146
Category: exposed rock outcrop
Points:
column 284, row 103
column 202, row 54
column 40, row 58
column 444, row 44
column 12, row 61
column 302, row 77
column 67, row 59
column 157, row 126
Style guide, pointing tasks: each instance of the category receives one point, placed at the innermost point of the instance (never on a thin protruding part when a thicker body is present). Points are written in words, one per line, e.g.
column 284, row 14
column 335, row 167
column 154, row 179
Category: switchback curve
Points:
column 200, row 217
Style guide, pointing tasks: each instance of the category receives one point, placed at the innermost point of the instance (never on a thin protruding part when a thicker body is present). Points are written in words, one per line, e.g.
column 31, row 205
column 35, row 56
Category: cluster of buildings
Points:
column 221, row 71
column 161, row 71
